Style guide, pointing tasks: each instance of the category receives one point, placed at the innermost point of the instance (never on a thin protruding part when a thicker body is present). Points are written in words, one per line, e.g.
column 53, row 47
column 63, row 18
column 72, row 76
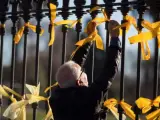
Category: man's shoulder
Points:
column 77, row 94
column 71, row 90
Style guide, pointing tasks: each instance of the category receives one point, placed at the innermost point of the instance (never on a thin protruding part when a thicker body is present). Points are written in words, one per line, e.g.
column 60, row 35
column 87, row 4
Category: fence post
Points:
column 14, row 18
column 141, row 9
column 50, row 55
column 38, row 16
column 109, row 10
column 79, row 13
column 26, row 6
column 65, row 13
column 156, row 61
column 124, row 9
column 93, row 15
column 3, row 18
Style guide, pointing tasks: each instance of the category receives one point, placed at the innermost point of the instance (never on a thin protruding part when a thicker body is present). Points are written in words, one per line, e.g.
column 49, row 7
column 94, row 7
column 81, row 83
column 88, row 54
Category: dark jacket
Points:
column 79, row 103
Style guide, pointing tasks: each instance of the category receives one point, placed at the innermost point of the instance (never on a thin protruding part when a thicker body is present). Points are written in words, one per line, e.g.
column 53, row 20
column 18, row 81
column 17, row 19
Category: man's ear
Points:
column 79, row 83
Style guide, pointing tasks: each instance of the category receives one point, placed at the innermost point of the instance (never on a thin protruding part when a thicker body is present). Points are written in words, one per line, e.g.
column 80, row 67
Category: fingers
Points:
column 112, row 24
column 91, row 27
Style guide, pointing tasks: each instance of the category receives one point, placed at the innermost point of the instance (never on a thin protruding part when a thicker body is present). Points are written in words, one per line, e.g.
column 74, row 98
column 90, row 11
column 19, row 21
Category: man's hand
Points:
column 91, row 27
column 112, row 24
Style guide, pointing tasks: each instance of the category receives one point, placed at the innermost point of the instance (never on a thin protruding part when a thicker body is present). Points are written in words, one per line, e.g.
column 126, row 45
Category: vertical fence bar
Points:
column 156, row 64
column 65, row 13
column 38, row 31
column 79, row 13
column 64, row 30
column 24, row 60
column 50, row 58
column 93, row 15
column 50, row 61
column 3, row 10
column 141, row 9
column 26, row 6
column 109, row 11
column 124, row 10
column 2, row 29
column 14, row 18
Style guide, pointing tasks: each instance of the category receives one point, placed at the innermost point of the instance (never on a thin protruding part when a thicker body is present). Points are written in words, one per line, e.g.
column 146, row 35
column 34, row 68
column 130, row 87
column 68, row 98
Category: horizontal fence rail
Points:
column 14, row 11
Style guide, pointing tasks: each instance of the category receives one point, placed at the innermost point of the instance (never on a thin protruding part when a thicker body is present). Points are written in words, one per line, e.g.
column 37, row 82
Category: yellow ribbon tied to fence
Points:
column 53, row 17
column 130, row 21
column 17, row 109
column 127, row 109
column 146, row 104
column 49, row 115
column 110, row 104
column 154, row 29
column 92, row 36
column 99, row 20
column 92, row 31
column 143, row 37
column 4, row 93
column 2, row 25
column 20, row 32
column 48, row 88
column 34, row 96
column 68, row 23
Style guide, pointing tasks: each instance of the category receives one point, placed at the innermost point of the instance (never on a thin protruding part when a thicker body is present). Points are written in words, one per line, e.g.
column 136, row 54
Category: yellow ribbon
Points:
column 12, row 91
column 48, row 88
column 92, row 32
column 127, row 109
column 146, row 104
column 2, row 25
column 100, row 20
column 4, row 93
column 34, row 96
column 68, row 23
column 142, row 38
column 130, row 21
column 154, row 29
column 53, row 17
column 17, row 109
column 49, row 115
column 19, row 34
column 110, row 104
column 71, row 23
column 93, row 36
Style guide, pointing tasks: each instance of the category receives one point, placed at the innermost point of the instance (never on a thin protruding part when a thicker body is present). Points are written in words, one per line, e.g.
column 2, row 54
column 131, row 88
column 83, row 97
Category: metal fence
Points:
column 26, row 12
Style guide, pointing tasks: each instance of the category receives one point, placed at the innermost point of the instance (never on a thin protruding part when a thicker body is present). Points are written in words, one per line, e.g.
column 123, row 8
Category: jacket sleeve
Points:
column 104, row 81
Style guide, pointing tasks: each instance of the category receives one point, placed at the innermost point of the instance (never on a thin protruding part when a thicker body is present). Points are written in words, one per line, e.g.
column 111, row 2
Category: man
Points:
column 73, row 99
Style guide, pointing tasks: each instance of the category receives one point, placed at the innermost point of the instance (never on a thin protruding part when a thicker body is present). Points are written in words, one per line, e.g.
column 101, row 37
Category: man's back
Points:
column 79, row 102
column 73, row 104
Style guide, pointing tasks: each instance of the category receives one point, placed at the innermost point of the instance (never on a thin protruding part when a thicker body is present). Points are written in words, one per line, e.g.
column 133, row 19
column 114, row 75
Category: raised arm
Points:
column 110, row 69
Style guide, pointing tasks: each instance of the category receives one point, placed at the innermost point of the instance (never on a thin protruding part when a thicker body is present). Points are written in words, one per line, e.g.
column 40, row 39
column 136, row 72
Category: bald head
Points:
column 68, row 74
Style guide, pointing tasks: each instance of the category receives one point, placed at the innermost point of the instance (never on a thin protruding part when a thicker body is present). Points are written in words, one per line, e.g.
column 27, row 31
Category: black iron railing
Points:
column 26, row 13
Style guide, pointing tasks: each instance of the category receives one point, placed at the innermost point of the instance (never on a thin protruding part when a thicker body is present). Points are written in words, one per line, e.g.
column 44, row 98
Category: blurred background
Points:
column 147, row 73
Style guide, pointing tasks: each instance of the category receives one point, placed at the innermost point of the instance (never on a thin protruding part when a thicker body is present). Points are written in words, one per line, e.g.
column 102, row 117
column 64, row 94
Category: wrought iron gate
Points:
column 13, row 10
